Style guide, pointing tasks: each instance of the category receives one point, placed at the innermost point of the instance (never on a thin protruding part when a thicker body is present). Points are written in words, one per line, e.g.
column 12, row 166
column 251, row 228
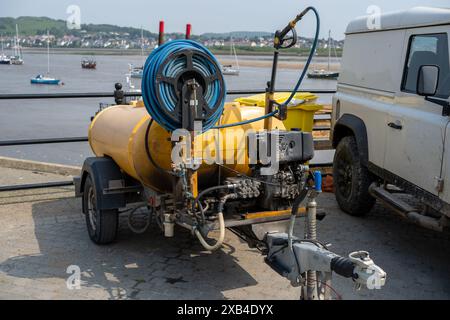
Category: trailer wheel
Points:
column 101, row 224
column 351, row 179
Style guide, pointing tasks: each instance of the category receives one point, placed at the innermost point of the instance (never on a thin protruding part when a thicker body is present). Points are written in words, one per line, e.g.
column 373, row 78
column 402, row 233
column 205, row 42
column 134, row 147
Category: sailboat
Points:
column 325, row 74
column 17, row 58
column 138, row 72
column 41, row 79
column 4, row 59
column 229, row 70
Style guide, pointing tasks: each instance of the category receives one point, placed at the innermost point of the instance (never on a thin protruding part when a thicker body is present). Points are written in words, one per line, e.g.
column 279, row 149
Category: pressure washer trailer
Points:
column 187, row 159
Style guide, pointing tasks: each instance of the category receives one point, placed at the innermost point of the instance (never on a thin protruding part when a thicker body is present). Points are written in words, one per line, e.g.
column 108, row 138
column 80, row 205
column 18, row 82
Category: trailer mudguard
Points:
column 104, row 173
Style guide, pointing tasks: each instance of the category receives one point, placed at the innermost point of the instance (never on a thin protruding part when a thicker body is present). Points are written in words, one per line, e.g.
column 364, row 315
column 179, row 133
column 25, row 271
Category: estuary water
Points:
column 50, row 118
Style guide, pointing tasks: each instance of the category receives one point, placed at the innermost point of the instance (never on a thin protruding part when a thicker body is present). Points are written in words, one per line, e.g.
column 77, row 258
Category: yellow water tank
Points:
column 120, row 131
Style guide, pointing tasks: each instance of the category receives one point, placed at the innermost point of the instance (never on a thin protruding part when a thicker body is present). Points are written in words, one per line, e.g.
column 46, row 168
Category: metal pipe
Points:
column 73, row 95
column 161, row 33
column 188, row 31
column 41, row 141
column 90, row 95
column 36, row 186
column 9, row 143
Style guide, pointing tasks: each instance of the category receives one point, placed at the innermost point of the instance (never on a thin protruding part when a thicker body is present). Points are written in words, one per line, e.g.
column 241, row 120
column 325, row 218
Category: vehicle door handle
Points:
column 395, row 126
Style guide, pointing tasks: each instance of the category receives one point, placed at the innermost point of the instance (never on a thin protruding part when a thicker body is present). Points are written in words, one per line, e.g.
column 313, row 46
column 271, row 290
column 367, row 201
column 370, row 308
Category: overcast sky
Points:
column 211, row 15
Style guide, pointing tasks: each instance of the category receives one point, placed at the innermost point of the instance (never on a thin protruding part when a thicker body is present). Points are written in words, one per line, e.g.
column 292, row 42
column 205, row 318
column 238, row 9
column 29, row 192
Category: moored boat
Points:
column 229, row 70
column 4, row 59
column 17, row 58
column 136, row 72
column 41, row 79
column 325, row 74
column 88, row 63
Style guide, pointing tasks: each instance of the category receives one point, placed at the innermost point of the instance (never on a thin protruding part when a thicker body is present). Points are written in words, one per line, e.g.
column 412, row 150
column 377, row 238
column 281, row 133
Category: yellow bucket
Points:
column 300, row 112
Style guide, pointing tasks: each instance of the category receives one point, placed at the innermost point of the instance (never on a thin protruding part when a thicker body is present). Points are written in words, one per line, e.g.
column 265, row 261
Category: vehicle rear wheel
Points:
column 351, row 179
column 101, row 224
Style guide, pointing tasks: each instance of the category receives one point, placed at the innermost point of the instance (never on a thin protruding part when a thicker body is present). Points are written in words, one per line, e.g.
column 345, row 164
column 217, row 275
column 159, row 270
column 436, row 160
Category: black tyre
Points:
column 351, row 179
column 101, row 224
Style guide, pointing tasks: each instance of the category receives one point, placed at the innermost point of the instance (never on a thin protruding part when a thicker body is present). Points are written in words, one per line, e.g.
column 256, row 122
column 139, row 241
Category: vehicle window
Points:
column 430, row 49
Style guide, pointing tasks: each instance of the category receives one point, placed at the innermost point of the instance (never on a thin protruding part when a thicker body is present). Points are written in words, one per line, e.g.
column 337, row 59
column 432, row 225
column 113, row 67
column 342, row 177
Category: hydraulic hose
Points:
column 310, row 57
column 219, row 241
column 206, row 191
column 299, row 82
column 247, row 121
column 162, row 97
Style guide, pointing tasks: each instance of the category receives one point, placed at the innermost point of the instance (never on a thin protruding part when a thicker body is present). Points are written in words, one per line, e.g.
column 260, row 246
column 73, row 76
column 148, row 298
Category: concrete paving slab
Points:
column 42, row 233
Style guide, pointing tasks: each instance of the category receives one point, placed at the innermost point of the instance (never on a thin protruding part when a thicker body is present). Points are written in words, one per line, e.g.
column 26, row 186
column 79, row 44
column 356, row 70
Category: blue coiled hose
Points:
column 167, row 92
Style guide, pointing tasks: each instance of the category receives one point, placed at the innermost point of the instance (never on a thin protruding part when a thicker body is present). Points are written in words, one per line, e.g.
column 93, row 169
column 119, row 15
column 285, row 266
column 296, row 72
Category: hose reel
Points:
column 183, row 83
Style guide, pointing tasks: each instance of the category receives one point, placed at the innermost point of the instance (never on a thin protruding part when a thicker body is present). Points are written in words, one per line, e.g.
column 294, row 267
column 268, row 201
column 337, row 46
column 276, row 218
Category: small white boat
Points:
column 135, row 72
column 4, row 59
column 138, row 72
column 229, row 70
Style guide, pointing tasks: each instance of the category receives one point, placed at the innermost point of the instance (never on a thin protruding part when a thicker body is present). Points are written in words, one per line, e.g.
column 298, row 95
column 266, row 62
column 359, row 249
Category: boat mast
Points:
column 329, row 49
column 17, row 45
column 235, row 57
column 231, row 45
column 142, row 45
column 48, row 52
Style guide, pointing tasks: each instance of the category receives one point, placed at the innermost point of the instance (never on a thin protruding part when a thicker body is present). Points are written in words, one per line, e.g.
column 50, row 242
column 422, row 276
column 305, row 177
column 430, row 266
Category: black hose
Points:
column 201, row 194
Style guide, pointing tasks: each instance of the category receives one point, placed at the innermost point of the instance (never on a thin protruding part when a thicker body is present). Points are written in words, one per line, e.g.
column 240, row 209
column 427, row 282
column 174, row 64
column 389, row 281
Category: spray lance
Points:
column 285, row 39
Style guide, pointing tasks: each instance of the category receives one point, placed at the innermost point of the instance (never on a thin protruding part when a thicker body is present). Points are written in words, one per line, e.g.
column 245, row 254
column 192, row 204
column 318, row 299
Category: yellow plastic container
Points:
column 300, row 112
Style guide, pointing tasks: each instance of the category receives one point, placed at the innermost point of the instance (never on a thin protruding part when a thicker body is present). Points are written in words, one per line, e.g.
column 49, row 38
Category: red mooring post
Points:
column 188, row 31
column 161, row 33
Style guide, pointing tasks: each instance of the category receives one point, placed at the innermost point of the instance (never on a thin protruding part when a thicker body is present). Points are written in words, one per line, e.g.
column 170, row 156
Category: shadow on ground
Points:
column 146, row 266
column 149, row 266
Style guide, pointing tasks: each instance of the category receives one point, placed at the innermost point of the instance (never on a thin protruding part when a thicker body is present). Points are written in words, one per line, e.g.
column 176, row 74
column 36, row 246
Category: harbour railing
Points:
column 321, row 144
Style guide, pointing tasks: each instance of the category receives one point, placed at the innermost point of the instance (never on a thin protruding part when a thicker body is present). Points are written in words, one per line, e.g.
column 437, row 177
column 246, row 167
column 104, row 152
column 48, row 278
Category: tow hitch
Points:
column 308, row 264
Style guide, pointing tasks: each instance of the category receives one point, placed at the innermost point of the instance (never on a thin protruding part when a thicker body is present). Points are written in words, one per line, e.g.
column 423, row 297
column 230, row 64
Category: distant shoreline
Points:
column 224, row 58
column 136, row 52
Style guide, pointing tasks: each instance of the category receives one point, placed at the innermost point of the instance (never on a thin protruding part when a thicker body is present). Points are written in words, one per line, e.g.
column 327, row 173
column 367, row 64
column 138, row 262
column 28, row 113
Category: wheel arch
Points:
column 350, row 125
column 102, row 170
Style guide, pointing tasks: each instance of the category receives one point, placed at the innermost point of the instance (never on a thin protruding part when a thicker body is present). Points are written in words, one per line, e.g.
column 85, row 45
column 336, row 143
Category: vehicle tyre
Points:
column 351, row 179
column 102, row 225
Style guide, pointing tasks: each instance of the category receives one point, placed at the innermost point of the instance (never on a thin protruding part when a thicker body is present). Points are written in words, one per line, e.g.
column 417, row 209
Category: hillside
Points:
column 107, row 36
column 31, row 26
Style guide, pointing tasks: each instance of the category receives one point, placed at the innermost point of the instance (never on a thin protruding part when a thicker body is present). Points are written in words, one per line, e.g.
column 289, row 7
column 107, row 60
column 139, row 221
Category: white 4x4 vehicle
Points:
column 391, row 116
